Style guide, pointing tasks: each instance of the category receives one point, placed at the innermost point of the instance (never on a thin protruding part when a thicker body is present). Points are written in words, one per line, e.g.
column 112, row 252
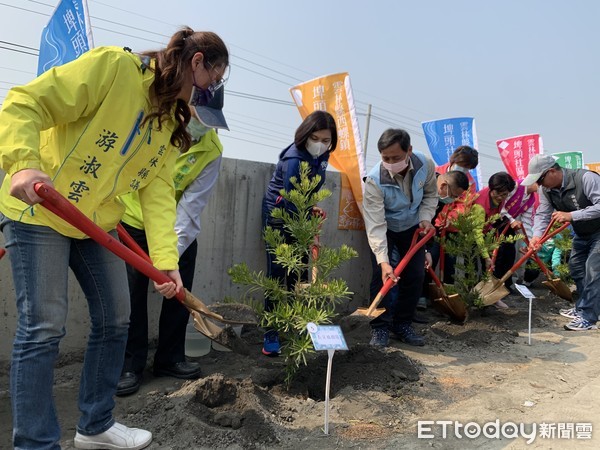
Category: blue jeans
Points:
column 40, row 259
column 585, row 271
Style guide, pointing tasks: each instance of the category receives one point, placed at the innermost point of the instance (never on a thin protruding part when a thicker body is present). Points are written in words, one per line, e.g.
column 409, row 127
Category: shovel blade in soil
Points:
column 453, row 306
column 229, row 313
column 435, row 292
column 225, row 336
column 491, row 291
column 235, row 313
column 559, row 287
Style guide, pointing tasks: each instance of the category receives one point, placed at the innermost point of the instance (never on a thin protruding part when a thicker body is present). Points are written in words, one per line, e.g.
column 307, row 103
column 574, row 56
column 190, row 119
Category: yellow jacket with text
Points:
column 187, row 168
column 80, row 123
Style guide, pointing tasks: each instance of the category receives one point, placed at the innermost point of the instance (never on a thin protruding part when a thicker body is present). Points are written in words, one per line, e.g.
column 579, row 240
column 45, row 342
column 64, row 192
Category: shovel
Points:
column 555, row 284
column 60, row 206
column 452, row 304
column 434, row 288
column 372, row 311
column 493, row 289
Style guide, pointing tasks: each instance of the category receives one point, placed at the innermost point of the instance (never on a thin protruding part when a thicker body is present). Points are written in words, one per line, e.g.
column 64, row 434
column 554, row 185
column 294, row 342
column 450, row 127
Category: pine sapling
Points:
column 313, row 301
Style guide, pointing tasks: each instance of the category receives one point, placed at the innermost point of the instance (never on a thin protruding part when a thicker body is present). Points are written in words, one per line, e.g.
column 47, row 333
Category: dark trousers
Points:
column 505, row 260
column 280, row 273
column 173, row 315
column 410, row 285
column 377, row 282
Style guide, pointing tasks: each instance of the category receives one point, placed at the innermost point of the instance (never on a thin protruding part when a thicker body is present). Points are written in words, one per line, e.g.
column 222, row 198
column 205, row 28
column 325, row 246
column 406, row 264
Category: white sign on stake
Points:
column 327, row 337
column 330, row 338
column 525, row 292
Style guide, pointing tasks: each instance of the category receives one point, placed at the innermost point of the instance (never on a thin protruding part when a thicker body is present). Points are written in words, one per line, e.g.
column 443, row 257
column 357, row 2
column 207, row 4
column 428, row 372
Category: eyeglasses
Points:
column 218, row 84
column 540, row 180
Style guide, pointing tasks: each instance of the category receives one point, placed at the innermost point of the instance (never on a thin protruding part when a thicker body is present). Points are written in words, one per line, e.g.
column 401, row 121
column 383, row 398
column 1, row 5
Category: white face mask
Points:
column 447, row 199
column 460, row 169
column 197, row 129
column 396, row 167
column 316, row 148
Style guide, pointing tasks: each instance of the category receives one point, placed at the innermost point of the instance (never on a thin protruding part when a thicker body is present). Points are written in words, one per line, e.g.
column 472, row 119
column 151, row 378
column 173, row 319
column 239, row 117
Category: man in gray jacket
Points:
column 572, row 196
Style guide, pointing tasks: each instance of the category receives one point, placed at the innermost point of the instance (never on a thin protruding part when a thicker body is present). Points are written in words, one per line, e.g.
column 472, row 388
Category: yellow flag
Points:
column 593, row 166
column 333, row 93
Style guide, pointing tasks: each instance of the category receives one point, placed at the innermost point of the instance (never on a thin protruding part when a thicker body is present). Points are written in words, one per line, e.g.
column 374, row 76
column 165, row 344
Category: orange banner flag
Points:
column 593, row 166
column 333, row 93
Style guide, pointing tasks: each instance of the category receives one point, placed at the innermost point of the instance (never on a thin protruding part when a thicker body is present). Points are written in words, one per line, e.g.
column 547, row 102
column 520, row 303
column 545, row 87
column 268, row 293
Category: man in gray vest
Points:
column 572, row 196
column 400, row 197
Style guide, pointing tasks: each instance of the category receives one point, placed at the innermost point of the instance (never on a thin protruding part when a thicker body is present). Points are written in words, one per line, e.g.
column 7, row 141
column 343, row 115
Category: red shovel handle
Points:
column 536, row 258
column 548, row 228
column 434, row 277
column 131, row 243
column 531, row 251
column 60, row 206
column 497, row 249
column 414, row 248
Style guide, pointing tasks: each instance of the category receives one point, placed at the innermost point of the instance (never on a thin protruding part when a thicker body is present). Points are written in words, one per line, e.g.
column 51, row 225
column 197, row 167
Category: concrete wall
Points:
column 231, row 233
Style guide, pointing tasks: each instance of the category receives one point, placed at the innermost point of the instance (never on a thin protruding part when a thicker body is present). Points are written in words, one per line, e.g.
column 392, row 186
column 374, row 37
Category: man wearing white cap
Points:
column 572, row 196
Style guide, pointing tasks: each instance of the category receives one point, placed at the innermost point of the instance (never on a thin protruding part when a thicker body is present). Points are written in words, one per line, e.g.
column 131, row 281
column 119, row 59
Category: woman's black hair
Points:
column 501, row 182
column 316, row 121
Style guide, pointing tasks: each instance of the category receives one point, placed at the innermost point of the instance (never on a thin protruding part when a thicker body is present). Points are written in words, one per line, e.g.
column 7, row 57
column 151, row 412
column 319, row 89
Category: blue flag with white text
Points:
column 443, row 136
column 67, row 35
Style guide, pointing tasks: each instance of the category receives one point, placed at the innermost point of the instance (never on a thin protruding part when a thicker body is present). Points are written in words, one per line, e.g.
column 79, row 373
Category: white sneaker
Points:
column 116, row 437
column 500, row 305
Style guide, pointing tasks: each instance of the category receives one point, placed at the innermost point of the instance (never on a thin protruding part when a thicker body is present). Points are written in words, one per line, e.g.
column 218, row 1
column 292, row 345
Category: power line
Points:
column 380, row 118
column 18, row 45
column 247, row 140
column 254, row 127
column 261, row 98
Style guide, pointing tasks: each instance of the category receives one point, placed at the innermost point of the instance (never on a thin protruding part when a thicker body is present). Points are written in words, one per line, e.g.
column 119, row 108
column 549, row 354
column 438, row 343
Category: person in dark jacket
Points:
column 315, row 140
column 572, row 196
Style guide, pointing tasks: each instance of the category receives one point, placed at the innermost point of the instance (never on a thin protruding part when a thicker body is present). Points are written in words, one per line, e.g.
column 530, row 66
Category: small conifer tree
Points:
column 469, row 253
column 307, row 302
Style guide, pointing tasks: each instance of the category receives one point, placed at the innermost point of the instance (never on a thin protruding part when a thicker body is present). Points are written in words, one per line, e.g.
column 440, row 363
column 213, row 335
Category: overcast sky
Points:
column 516, row 66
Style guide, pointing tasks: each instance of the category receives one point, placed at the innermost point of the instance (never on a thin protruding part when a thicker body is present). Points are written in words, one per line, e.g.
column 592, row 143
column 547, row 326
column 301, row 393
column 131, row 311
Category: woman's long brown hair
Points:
column 172, row 63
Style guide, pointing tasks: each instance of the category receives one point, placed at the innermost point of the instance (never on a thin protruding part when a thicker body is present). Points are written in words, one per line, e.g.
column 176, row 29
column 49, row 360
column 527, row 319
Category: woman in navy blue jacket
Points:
column 315, row 139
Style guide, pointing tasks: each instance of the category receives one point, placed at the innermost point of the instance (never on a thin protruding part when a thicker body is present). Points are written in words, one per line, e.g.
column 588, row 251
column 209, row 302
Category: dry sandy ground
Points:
column 480, row 372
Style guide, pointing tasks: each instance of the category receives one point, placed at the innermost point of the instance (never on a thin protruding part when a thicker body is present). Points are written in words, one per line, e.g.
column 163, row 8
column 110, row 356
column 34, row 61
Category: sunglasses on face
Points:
column 540, row 180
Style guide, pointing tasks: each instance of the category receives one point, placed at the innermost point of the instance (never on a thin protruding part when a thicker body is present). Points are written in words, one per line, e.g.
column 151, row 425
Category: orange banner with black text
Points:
column 333, row 93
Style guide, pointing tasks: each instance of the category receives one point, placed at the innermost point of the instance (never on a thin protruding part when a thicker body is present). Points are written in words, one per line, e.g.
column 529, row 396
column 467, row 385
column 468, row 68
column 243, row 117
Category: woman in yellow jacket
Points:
column 108, row 123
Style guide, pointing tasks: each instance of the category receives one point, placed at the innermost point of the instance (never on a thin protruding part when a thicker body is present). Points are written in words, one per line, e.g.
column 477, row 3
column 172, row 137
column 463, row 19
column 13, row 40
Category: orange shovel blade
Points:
column 365, row 312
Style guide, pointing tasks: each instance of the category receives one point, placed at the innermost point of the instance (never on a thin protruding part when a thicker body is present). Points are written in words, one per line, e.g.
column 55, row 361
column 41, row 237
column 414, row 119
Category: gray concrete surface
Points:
column 231, row 233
